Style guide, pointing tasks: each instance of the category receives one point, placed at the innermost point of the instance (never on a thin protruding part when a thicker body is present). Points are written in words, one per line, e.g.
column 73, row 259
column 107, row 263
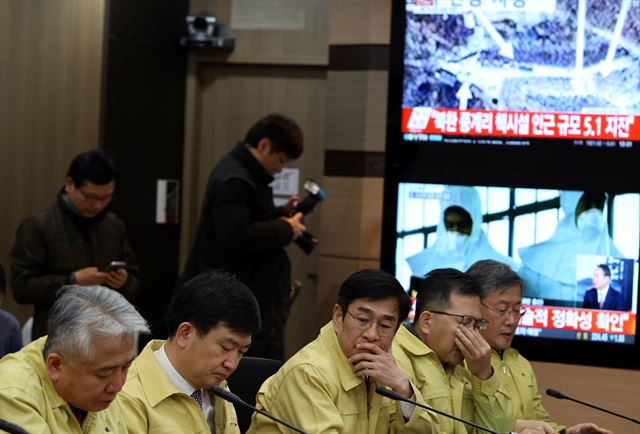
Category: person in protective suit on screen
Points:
column 549, row 267
column 460, row 239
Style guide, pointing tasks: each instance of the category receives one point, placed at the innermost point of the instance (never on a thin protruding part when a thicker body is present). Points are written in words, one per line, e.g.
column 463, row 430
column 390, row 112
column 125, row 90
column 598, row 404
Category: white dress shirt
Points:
column 183, row 385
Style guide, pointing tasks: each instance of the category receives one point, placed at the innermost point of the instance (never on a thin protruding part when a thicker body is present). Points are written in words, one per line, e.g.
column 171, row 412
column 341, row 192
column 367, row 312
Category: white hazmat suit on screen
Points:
column 549, row 267
column 453, row 249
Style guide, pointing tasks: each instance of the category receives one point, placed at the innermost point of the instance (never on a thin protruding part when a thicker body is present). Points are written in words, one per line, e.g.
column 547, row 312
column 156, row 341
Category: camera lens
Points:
column 200, row 23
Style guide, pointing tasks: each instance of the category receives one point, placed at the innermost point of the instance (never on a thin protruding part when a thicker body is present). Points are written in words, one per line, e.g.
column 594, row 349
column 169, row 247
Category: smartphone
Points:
column 115, row 265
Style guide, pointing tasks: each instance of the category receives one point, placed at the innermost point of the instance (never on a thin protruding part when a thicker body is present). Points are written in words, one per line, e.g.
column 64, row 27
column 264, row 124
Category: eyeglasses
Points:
column 467, row 320
column 385, row 327
column 516, row 312
column 96, row 198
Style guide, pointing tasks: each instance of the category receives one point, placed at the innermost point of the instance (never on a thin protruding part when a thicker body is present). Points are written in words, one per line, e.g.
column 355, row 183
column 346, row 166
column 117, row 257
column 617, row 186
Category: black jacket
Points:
column 240, row 230
column 55, row 242
column 613, row 301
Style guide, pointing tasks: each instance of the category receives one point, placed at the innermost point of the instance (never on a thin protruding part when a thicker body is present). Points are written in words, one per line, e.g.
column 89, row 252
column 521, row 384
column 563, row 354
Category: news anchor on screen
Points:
column 602, row 295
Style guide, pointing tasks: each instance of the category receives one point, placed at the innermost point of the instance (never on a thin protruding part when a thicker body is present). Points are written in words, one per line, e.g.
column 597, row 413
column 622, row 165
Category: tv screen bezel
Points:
column 547, row 163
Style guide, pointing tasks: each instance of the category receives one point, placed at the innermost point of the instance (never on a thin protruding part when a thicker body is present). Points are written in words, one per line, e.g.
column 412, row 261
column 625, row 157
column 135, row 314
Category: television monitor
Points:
column 560, row 241
column 517, row 72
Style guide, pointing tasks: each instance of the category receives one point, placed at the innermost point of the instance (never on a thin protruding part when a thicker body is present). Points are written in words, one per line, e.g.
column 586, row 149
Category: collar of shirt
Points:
column 183, row 385
column 174, row 376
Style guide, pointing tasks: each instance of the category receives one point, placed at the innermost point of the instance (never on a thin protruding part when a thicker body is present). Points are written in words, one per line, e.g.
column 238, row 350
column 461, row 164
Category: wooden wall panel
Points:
column 614, row 389
column 358, row 116
column 352, row 218
column 360, row 22
column 50, row 74
column 333, row 272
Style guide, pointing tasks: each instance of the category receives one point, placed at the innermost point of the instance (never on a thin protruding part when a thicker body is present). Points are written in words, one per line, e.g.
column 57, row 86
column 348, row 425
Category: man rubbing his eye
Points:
column 444, row 335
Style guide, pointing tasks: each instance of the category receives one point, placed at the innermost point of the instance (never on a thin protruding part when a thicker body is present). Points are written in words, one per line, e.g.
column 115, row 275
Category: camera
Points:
column 206, row 31
column 315, row 195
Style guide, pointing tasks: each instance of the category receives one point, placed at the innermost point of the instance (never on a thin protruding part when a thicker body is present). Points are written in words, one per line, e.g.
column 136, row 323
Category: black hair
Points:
column 373, row 285
column 438, row 285
column 605, row 269
column 92, row 166
column 494, row 276
column 285, row 135
column 211, row 299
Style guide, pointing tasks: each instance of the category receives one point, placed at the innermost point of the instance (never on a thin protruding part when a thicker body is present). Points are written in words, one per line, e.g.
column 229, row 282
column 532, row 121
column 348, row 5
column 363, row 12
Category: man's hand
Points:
column 476, row 352
column 291, row 204
column 296, row 225
column 376, row 363
column 89, row 276
column 116, row 279
column 587, row 427
column 534, row 425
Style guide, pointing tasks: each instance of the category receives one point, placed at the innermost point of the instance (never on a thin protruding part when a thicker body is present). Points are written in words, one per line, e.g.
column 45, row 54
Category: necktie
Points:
column 197, row 396
column 79, row 414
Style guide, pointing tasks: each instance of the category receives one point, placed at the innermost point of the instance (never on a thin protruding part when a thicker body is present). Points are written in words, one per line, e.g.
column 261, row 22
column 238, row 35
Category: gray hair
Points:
column 493, row 276
column 83, row 314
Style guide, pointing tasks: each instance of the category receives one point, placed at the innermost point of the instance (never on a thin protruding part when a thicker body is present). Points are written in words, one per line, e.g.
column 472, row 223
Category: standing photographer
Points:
column 241, row 231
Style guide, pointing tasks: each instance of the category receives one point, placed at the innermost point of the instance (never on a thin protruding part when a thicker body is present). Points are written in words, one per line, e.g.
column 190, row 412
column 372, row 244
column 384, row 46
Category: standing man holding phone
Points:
column 75, row 241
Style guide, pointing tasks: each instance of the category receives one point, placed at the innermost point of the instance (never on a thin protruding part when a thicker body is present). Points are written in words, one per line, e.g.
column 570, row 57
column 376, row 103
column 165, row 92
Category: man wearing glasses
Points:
column 444, row 334
column 73, row 242
column 329, row 385
column 501, row 292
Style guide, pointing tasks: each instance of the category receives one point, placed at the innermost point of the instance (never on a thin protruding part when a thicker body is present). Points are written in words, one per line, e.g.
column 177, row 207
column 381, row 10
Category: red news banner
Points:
column 577, row 319
column 424, row 120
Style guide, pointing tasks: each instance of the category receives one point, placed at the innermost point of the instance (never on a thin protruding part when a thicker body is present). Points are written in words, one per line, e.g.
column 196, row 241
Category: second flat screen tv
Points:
column 560, row 242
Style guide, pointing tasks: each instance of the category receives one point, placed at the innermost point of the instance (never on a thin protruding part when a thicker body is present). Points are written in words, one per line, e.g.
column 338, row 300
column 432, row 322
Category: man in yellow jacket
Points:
column 329, row 386
column 501, row 292
column 66, row 382
column 444, row 334
column 210, row 321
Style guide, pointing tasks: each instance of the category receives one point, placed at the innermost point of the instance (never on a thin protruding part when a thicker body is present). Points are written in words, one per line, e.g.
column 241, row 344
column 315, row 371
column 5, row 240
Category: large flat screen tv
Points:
column 537, row 232
column 560, row 241
column 525, row 114
column 517, row 72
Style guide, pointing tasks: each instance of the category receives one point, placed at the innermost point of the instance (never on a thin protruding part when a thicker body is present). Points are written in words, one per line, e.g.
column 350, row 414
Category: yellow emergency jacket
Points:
column 29, row 400
column 317, row 391
column 454, row 391
column 516, row 373
column 151, row 403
